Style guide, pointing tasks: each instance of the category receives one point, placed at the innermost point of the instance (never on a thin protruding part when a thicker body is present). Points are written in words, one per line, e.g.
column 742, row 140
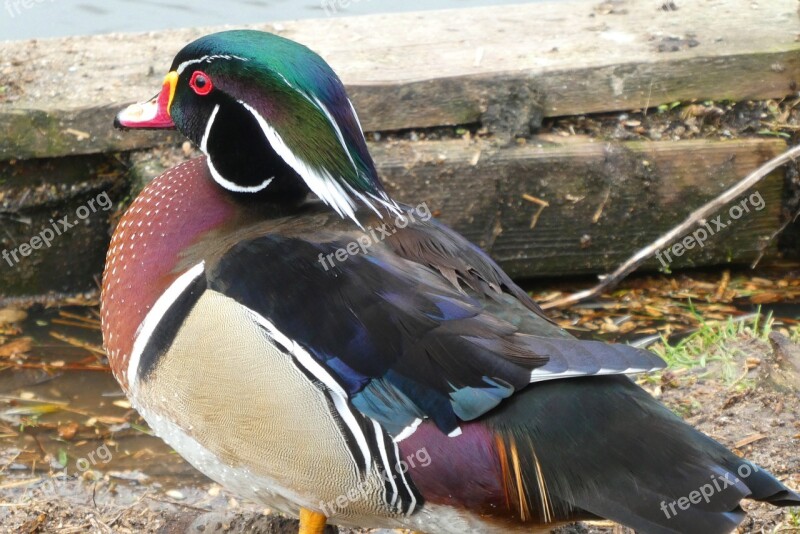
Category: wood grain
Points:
column 505, row 66
column 605, row 200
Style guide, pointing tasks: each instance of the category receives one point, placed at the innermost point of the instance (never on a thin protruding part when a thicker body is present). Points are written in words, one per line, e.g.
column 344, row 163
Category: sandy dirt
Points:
column 757, row 415
column 74, row 456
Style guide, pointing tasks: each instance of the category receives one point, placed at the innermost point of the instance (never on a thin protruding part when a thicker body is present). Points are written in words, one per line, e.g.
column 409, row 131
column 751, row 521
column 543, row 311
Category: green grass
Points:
column 716, row 342
column 793, row 517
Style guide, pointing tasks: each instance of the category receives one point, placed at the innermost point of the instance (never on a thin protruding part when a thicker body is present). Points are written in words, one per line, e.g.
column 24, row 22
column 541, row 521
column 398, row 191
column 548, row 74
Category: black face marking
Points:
column 241, row 154
column 168, row 326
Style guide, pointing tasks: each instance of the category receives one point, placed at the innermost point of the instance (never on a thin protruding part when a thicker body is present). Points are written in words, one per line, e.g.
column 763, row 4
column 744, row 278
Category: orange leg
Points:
column 311, row 522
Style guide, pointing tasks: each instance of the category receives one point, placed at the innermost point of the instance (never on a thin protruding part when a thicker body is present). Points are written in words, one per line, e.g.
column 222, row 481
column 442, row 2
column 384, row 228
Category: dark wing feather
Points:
column 606, row 447
column 402, row 341
column 430, row 243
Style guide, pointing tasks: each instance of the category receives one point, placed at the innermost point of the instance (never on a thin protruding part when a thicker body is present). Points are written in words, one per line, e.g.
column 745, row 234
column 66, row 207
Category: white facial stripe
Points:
column 384, row 201
column 154, row 316
column 336, row 128
column 353, row 109
column 338, row 394
column 364, row 200
column 388, row 203
column 319, row 181
column 207, row 59
column 322, row 183
column 231, row 186
column 227, row 184
column 320, row 106
column 207, row 133
column 287, row 82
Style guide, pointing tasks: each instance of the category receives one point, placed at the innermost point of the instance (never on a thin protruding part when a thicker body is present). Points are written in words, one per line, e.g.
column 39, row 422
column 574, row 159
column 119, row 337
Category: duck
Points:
column 315, row 346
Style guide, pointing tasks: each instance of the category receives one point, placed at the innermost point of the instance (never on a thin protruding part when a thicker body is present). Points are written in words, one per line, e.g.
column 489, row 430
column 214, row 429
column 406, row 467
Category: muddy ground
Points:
column 75, row 458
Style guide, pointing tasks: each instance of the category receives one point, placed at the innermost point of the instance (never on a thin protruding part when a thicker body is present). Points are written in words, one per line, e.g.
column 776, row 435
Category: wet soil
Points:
column 74, row 457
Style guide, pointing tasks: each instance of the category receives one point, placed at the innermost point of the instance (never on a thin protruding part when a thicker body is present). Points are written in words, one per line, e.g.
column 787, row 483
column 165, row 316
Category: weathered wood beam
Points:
column 505, row 66
column 605, row 200
column 55, row 217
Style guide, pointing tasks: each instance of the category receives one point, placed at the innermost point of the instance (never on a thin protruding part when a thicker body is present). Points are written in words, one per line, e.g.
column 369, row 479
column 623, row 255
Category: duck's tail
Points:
column 603, row 447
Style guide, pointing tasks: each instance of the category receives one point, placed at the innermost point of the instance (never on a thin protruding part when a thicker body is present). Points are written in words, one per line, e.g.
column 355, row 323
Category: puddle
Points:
column 73, row 451
column 60, row 403
column 72, row 417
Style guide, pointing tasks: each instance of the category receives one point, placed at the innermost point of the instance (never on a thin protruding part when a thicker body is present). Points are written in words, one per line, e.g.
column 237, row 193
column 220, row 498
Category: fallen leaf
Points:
column 35, row 409
column 12, row 315
column 68, row 431
column 766, row 297
column 16, row 347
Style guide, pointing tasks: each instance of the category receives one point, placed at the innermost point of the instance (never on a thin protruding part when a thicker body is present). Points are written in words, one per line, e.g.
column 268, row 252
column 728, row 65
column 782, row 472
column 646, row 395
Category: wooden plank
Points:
column 505, row 66
column 40, row 254
column 476, row 187
column 605, row 200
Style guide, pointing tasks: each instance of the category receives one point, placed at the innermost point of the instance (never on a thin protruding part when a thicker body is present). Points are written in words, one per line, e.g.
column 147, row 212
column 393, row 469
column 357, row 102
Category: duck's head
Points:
column 271, row 116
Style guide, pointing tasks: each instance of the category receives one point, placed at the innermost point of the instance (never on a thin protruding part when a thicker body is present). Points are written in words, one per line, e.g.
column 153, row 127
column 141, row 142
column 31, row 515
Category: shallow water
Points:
column 64, row 421
column 92, row 402
column 26, row 19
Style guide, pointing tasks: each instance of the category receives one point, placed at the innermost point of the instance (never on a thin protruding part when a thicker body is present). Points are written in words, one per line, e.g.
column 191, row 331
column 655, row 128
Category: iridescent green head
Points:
column 271, row 115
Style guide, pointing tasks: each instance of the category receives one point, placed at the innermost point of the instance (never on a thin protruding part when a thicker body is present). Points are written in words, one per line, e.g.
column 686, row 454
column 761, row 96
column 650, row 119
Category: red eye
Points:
column 201, row 83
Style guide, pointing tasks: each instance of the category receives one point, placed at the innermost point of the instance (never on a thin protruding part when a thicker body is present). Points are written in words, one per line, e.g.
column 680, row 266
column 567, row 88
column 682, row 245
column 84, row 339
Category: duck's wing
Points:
column 395, row 338
column 469, row 270
column 466, row 266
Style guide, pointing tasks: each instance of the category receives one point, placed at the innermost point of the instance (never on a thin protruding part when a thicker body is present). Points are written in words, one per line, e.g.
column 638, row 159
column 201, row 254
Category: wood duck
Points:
column 313, row 345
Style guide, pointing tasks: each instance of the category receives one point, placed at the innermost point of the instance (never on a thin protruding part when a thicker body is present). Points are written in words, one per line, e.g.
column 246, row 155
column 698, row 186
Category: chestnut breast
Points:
column 148, row 250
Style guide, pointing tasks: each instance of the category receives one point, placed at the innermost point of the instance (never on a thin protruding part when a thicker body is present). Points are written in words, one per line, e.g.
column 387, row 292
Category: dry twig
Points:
column 696, row 217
